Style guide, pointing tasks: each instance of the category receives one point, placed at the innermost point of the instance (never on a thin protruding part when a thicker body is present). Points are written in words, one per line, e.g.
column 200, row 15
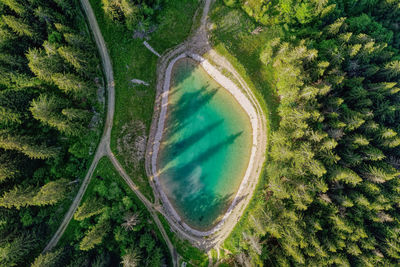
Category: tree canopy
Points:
column 332, row 179
column 48, row 67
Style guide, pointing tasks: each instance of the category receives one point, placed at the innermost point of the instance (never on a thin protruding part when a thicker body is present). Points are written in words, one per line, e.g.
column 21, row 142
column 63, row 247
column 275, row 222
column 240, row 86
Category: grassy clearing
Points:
column 191, row 255
column 131, row 60
column 231, row 37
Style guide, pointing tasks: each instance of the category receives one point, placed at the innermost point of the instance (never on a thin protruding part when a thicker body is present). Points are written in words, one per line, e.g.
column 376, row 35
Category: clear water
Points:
column 205, row 148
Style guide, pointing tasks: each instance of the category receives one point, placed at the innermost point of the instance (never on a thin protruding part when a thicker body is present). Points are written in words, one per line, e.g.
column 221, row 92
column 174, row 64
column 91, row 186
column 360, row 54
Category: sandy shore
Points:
column 246, row 105
column 197, row 44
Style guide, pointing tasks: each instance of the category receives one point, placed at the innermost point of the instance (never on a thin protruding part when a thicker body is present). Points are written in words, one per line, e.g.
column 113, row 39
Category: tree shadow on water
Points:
column 200, row 207
column 201, row 210
column 189, row 104
column 184, row 144
column 198, row 204
column 202, row 157
column 187, row 186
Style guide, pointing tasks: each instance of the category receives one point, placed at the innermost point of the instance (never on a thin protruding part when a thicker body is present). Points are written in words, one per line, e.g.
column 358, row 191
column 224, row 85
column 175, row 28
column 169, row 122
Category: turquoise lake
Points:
column 205, row 148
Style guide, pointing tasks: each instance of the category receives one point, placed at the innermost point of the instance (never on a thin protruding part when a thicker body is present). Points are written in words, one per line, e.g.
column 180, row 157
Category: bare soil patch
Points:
column 132, row 144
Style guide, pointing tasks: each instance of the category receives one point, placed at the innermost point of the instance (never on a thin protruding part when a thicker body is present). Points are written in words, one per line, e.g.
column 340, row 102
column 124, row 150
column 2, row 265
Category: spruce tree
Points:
column 18, row 197
column 19, row 26
column 89, row 208
column 51, row 193
column 94, row 236
column 48, row 259
column 27, row 146
column 13, row 251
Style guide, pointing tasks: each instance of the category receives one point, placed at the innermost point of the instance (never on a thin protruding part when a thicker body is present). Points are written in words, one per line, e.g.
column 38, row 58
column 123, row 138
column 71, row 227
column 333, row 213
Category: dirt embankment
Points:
column 194, row 46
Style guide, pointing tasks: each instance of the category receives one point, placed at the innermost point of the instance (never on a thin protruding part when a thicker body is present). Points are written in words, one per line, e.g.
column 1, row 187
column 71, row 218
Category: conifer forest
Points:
column 327, row 75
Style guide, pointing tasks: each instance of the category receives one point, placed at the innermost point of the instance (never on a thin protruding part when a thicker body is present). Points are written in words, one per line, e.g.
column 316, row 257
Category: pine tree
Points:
column 392, row 69
column 89, row 208
column 48, row 259
column 8, row 167
column 78, row 41
column 12, row 251
column 51, row 193
column 352, row 202
column 18, row 26
column 18, row 197
column 42, row 65
column 94, row 236
column 47, row 109
column 131, row 258
column 66, row 6
column 50, row 48
column 334, row 28
column 73, row 57
column 12, row 61
column 8, row 116
column 70, row 83
column 74, row 114
column 27, row 146
column 14, row 5
column 30, row 149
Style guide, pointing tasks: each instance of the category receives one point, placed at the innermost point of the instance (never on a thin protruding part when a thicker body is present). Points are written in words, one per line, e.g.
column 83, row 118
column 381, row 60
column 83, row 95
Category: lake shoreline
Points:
column 246, row 104
column 201, row 202
column 198, row 43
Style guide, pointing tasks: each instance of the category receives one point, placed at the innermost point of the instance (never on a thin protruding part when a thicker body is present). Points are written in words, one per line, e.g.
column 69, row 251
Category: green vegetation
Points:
column 330, row 190
column 110, row 226
column 131, row 60
column 191, row 255
column 50, row 119
column 232, row 37
column 134, row 14
column 326, row 73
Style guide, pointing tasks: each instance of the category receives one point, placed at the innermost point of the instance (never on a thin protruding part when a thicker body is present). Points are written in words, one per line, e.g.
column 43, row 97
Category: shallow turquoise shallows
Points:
column 205, row 147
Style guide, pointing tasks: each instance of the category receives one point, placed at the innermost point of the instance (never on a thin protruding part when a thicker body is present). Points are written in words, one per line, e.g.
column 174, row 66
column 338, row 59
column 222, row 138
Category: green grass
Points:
column 131, row 60
column 232, row 38
column 191, row 255
column 214, row 255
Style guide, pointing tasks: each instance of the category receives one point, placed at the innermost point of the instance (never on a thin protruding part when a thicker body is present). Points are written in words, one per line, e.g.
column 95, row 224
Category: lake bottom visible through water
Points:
column 205, row 148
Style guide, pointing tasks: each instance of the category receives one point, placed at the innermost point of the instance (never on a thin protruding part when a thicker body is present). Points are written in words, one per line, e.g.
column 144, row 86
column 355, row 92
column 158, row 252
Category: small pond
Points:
column 205, row 147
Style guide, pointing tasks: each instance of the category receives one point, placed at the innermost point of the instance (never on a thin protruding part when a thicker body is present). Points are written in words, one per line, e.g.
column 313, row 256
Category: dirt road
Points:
column 104, row 145
column 103, row 148
column 197, row 43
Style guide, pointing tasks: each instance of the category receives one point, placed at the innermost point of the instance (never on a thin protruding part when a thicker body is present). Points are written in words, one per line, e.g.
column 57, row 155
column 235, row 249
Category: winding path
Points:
column 197, row 43
column 104, row 145
column 103, row 148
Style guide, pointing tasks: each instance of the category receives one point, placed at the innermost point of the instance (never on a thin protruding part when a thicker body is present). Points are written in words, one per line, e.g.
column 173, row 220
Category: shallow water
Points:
column 205, row 147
